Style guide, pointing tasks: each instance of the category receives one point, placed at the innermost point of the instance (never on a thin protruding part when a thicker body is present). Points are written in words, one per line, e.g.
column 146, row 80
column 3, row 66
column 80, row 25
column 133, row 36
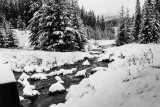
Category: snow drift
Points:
column 39, row 61
column 132, row 80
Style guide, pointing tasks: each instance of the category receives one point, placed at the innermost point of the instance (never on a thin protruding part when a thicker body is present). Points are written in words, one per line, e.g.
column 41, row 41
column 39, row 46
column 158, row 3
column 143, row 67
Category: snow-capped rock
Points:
column 21, row 98
column 17, row 70
column 86, row 63
column 35, row 92
column 25, row 82
column 45, row 68
column 60, row 71
column 57, row 87
column 29, row 68
column 81, row 73
column 29, row 90
column 24, row 76
column 59, row 80
column 52, row 73
column 40, row 76
column 70, row 71
column 32, row 68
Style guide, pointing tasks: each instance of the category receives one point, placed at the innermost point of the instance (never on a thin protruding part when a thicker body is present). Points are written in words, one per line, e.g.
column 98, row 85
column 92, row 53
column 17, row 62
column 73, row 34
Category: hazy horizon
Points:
column 108, row 7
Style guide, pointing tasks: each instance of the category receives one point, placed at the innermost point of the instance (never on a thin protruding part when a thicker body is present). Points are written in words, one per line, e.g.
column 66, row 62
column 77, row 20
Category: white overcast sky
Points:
column 108, row 7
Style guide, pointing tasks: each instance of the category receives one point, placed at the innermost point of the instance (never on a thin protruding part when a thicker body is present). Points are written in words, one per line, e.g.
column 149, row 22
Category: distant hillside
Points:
column 108, row 18
column 111, row 21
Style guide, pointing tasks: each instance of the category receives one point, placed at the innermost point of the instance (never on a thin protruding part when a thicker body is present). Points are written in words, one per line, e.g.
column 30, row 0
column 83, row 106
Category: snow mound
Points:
column 133, row 54
column 24, row 76
column 132, row 80
column 59, row 80
column 100, row 69
column 85, row 63
column 29, row 90
column 6, row 75
column 52, row 73
column 21, row 98
column 70, row 71
column 24, row 82
column 39, row 76
column 32, row 68
column 96, row 44
column 39, row 61
column 62, row 71
column 57, row 87
column 81, row 73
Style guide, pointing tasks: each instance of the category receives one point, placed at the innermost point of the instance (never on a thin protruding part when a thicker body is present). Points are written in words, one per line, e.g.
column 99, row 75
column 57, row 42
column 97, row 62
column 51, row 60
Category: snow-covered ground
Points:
column 98, row 44
column 39, row 61
column 132, row 80
column 102, row 42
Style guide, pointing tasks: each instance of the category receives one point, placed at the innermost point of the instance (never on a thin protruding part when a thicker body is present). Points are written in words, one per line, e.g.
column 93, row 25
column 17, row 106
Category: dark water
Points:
column 45, row 99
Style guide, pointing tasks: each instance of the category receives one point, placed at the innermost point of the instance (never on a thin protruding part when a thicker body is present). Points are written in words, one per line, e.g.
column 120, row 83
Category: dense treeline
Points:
column 59, row 25
column 97, row 27
column 14, row 14
column 145, row 27
column 18, row 10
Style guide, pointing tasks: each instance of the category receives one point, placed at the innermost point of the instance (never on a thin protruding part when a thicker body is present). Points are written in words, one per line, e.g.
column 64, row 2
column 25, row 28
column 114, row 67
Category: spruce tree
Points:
column 53, row 29
column 2, row 42
column 124, row 35
column 150, row 25
column 103, row 24
column 20, row 23
column 9, row 37
column 137, row 21
column 120, row 40
column 128, row 32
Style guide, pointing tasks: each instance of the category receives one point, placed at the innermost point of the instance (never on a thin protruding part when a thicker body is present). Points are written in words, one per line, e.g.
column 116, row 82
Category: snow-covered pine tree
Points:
column 52, row 28
column 79, row 30
column 150, row 25
column 103, row 26
column 9, row 37
column 1, row 40
column 128, row 32
column 156, row 24
column 120, row 39
column 137, row 21
column 10, row 40
column 20, row 23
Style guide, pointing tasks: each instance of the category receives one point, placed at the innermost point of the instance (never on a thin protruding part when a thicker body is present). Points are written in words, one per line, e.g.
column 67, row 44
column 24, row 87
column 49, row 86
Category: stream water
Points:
column 45, row 99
